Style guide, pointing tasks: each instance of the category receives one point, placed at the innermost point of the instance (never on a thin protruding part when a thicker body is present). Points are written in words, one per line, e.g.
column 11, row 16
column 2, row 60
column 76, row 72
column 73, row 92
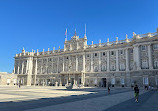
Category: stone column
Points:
column 57, row 64
column 18, row 68
column 92, row 62
column 29, row 74
column 84, row 62
column 117, row 61
column 47, row 66
column 76, row 63
column 42, row 66
column 83, row 74
column 136, row 57
column 52, row 65
column 35, row 72
column 83, row 79
column 60, row 80
column 108, row 61
column 27, row 67
column 63, row 63
column 22, row 67
column 127, row 60
column 150, row 57
column 99, row 62
column 74, row 80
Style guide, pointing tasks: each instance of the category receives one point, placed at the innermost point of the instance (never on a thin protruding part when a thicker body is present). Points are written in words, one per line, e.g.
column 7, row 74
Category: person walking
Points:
column 108, row 90
column 136, row 92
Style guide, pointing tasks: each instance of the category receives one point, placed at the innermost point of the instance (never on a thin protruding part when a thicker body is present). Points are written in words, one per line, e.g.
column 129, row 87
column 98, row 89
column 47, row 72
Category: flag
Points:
column 66, row 32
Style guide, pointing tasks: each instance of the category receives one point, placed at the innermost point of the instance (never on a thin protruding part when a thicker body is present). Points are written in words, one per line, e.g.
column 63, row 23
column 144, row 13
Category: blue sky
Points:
column 38, row 24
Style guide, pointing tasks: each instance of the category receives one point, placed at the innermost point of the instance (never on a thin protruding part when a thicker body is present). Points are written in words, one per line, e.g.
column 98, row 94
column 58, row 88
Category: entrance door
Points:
column 104, row 82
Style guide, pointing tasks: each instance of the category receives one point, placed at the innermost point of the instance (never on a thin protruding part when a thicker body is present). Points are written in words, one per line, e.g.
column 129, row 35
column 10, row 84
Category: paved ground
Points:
column 83, row 99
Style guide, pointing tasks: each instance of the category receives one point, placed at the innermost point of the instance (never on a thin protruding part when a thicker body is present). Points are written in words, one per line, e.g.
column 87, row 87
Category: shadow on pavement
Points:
column 43, row 102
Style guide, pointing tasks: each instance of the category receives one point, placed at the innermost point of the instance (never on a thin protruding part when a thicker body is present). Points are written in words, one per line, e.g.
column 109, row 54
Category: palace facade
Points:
column 118, row 63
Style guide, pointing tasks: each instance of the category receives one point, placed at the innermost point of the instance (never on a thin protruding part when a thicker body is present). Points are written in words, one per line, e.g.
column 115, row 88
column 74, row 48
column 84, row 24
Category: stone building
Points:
column 118, row 63
column 8, row 79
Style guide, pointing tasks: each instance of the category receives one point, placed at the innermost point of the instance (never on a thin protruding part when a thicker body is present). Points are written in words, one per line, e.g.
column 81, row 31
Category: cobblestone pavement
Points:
column 83, row 99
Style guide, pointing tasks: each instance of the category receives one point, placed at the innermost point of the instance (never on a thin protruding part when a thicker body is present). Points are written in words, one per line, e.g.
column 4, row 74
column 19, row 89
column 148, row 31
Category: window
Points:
column 95, row 81
column 143, row 47
column 113, row 67
column 87, row 55
column 145, row 80
column 122, row 67
column 49, row 59
column 103, row 67
column 122, row 81
column 96, row 69
column 95, row 54
column 131, row 50
column 155, row 46
column 112, row 52
column 121, row 52
column 156, row 64
column 112, row 81
column 144, row 64
column 103, row 53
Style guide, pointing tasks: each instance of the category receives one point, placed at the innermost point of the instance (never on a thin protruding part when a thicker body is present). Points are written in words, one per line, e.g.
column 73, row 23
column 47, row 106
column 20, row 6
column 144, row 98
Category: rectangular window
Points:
column 103, row 53
column 144, row 64
column 112, row 52
column 113, row 67
column 145, row 80
column 121, row 52
column 112, row 81
column 143, row 47
column 155, row 46
column 131, row 50
column 122, row 67
column 156, row 64
column 122, row 81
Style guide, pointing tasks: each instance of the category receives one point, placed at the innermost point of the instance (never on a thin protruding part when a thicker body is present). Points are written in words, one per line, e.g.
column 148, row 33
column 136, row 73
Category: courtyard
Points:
column 37, row 98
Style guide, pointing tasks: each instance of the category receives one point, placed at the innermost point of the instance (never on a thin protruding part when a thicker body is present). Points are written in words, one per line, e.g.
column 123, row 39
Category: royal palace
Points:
column 121, row 63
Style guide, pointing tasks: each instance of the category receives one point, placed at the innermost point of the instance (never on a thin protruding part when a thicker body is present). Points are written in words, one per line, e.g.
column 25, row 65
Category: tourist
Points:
column 108, row 90
column 136, row 91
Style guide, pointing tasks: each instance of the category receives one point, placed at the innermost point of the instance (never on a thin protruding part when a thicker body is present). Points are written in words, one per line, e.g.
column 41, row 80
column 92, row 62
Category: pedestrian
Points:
column 136, row 92
column 108, row 90
column 19, row 85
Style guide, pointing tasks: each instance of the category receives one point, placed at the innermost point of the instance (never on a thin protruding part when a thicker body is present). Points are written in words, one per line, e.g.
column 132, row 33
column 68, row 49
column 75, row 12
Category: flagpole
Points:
column 66, row 33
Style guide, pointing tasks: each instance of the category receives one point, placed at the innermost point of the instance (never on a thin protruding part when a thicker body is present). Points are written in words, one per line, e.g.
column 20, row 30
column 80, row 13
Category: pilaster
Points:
column 136, row 57
column 108, row 61
column 117, row 62
column 84, row 62
column 76, row 63
column 91, row 62
column 150, row 57
column 99, row 61
column 63, row 63
column 127, row 60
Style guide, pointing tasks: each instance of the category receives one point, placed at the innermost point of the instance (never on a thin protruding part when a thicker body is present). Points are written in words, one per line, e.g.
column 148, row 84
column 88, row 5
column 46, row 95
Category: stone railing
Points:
column 109, row 43
column 146, row 35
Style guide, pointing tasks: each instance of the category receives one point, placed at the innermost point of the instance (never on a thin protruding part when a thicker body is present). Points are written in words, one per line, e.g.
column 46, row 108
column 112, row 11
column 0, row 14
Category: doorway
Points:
column 103, row 82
